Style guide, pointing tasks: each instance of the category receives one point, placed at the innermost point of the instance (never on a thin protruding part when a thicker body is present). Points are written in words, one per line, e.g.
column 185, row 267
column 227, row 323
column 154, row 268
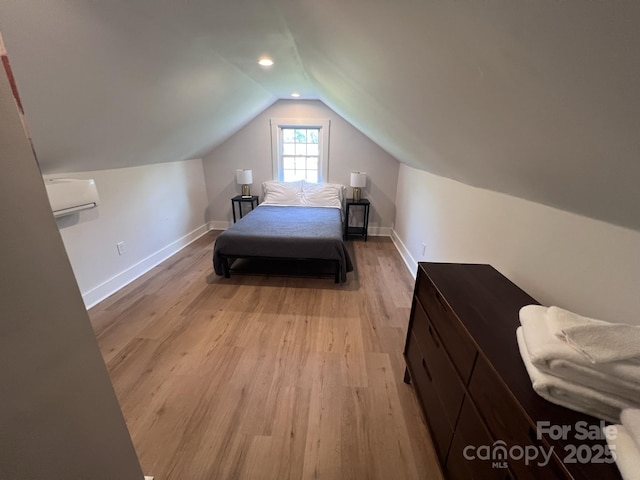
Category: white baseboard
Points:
column 115, row 283
column 218, row 225
column 409, row 261
column 376, row 231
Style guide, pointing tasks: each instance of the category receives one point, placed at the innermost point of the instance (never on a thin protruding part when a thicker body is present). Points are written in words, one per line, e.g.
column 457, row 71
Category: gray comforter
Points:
column 285, row 232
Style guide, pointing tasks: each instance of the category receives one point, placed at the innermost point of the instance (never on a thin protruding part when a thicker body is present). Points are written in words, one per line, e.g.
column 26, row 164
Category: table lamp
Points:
column 358, row 181
column 245, row 178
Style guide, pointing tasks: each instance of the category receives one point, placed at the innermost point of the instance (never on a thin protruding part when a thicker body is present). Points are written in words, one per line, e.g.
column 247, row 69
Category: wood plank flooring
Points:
column 267, row 377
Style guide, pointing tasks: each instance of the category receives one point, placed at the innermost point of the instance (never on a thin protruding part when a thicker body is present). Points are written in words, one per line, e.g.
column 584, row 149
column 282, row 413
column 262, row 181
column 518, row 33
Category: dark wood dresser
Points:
column 463, row 361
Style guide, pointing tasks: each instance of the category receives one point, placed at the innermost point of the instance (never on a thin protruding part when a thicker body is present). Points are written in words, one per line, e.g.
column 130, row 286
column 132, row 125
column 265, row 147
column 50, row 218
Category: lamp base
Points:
column 246, row 191
column 356, row 194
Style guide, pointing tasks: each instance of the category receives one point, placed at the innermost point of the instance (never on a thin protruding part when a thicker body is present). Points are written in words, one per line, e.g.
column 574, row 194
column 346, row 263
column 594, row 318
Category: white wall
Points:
column 349, row 150
column 559, row 258
column 154, row 209
column 59, row 416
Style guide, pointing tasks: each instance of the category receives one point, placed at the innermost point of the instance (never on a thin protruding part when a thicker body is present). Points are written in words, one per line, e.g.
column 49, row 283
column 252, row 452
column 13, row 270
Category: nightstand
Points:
column 254, row 200
column 362, row 204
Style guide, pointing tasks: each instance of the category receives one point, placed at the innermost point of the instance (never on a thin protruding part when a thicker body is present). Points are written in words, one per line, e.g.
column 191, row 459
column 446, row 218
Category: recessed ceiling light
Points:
column 295, row 94
column 265, row 62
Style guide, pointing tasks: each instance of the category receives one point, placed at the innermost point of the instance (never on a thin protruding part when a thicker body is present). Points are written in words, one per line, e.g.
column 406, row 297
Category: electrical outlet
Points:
column 120, row 247
column 424, row 249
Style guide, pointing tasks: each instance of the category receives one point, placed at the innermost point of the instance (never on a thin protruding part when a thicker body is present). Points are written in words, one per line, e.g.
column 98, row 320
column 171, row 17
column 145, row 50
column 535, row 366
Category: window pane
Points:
column 312, row 176
column 312, row 163
column 288, row 135
column 312, row 149
column 301, row 136
column 301, row 163
column 288, row 148
column 287, row 163
column 301, row 148
column 312, row 135
column 293, row 175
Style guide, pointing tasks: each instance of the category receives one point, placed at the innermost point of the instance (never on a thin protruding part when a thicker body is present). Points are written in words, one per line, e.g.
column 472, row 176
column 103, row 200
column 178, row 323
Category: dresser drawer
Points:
column 454, row 337
column 506, row 421
column 448, row 387
column 441, row 431
column 463, row 462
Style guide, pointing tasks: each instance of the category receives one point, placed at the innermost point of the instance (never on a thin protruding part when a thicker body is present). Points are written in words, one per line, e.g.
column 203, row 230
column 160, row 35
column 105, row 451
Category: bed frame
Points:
column 227, row 260
column 283, row 236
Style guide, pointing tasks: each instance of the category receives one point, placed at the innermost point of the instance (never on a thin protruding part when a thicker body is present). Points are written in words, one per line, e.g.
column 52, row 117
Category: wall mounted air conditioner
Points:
column 69, row 195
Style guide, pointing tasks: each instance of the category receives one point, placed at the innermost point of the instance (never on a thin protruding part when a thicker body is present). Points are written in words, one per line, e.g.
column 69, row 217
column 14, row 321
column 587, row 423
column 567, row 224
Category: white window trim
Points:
column 277, row 124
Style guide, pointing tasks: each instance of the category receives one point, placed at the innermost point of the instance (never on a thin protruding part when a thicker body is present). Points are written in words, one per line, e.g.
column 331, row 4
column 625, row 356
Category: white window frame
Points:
column 277, row 124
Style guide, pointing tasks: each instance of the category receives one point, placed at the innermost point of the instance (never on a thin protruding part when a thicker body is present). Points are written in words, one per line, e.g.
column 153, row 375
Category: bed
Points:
column 298, row 221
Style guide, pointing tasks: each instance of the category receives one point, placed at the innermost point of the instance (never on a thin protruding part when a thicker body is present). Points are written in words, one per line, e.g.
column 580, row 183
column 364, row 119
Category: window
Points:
column 300, row 149
column 300, row 154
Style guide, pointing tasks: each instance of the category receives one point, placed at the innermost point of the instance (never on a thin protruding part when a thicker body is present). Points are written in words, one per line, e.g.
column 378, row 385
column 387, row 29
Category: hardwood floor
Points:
column 266, row 377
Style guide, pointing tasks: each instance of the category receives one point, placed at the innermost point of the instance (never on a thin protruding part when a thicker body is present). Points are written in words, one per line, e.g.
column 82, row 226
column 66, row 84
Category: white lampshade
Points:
column 244, row 177
column 358, row 179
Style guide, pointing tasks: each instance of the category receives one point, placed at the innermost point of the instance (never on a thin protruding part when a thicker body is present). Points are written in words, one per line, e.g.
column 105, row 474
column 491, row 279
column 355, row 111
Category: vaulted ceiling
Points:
column 539, row 100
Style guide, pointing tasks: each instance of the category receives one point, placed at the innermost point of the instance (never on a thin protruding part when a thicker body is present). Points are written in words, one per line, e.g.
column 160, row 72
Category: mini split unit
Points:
column 70, row 195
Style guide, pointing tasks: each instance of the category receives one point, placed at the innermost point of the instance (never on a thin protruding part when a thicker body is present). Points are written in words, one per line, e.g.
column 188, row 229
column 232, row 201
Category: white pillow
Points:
column 282, row 193
column 322, row 194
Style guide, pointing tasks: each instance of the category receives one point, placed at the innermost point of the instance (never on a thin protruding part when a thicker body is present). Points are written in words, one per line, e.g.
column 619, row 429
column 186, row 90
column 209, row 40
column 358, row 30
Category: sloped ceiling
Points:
column 539, row 100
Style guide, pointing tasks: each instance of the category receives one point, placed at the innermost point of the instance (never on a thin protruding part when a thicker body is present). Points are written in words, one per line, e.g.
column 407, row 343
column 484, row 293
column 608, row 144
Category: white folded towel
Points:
column 552, row 355
column 597, row 340
column 559, row 319
column 626, row 451
column 605, row 343
column 630, row 418
column 576, row 397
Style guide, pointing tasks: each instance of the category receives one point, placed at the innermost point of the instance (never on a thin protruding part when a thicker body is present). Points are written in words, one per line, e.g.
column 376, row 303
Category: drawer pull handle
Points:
column 440, row 301
column 435, row 340
column 426, row 370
